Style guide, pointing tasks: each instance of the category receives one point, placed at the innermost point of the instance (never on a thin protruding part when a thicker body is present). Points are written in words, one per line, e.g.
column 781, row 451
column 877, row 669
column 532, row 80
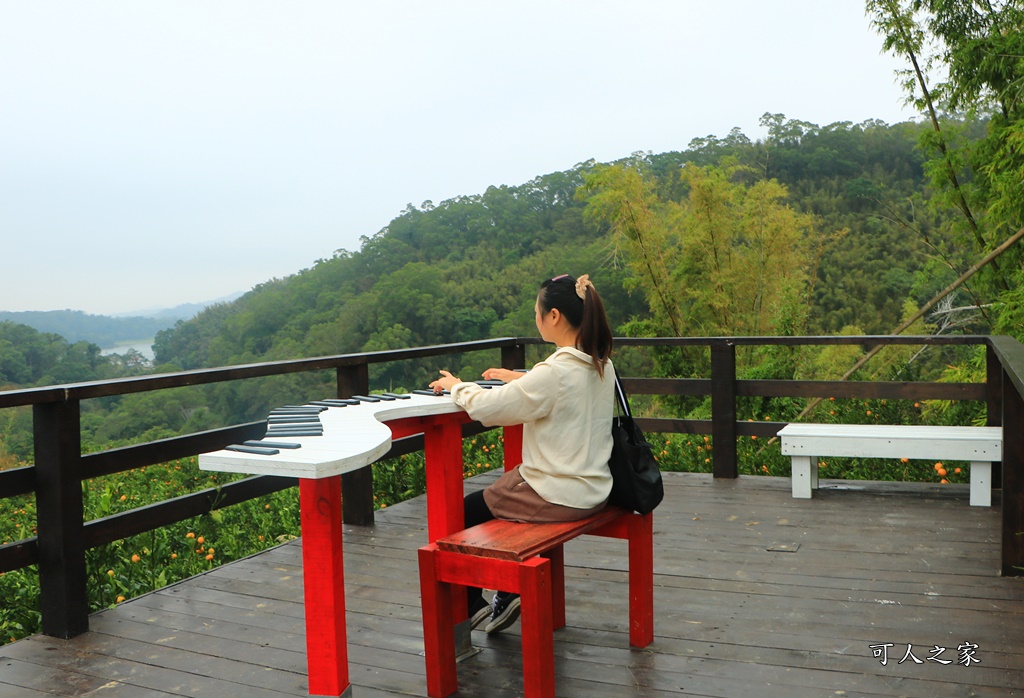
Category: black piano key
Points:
column 294, row 419
column 399, row 396
column 276, row 434
column 366, row 398
column 296, row 428
column 272, row 444
column 428, row 392
column 258, row 450
column 332, row 403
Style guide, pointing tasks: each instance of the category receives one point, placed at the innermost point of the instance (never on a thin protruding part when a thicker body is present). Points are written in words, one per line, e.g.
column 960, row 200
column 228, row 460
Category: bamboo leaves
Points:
column 726, row 258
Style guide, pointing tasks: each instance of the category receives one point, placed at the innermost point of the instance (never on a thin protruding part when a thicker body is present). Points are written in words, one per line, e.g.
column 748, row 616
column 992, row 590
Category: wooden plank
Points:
column 898, row 563
column 21, row 677
column 19, row 554
column 140, row 665
column 15, row 481
column 170, row 511
column 509, row 540
column 118, row 460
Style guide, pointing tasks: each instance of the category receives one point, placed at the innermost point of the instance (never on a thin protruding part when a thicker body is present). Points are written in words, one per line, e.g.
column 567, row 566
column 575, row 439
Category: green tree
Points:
column 729, row 258
column 980, row 49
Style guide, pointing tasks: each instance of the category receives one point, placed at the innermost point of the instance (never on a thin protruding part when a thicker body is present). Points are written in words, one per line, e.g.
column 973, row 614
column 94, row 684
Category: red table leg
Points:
column 513, row 446
column 442, row 449
column 323, row 575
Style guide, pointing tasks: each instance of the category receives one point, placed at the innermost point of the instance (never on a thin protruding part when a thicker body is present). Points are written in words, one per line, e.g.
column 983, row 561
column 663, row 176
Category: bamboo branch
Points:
column 919, row 314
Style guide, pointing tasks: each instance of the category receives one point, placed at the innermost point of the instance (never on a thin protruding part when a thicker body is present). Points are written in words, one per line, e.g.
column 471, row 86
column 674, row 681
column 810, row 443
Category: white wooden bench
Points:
column 805, row 443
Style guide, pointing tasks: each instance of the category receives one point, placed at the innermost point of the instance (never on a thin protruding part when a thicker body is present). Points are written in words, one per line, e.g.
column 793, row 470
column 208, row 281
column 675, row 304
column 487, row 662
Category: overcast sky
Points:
column 157, row 153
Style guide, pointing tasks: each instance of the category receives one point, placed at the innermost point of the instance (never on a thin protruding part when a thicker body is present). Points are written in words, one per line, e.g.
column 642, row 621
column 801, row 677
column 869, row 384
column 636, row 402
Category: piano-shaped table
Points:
column 354, row 436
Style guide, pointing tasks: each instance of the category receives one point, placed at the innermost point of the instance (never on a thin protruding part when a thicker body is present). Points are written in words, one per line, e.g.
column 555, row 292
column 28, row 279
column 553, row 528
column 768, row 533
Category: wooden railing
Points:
column 60, row 467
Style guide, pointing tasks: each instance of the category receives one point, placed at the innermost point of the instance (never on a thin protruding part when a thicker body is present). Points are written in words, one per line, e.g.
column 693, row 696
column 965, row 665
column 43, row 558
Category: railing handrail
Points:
column 60, row 545
column 203, row 376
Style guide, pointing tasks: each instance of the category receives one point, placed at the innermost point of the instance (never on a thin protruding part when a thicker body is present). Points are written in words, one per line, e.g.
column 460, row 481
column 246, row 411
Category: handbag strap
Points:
column 622, row 399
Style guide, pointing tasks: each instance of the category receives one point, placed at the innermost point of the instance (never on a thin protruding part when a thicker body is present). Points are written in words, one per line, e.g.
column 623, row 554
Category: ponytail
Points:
column 580, row 303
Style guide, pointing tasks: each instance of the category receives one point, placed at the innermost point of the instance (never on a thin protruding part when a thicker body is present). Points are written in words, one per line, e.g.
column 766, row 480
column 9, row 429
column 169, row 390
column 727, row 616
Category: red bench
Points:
column 526, row 559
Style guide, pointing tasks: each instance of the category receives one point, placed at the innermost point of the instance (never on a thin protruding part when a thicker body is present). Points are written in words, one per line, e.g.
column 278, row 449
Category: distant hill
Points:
column 104, row 330
column 178, row 312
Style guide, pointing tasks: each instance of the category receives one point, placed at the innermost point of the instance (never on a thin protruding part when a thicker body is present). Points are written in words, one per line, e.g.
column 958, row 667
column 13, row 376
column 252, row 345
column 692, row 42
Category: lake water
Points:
column 144, row 347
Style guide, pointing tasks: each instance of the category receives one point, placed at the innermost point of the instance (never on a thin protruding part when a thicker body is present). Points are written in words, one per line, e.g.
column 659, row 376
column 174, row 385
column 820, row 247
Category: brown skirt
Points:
column 510, row 497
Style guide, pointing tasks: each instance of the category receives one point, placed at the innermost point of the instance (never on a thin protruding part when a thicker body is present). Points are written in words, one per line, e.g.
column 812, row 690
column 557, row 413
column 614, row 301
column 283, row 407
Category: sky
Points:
column 158, row 153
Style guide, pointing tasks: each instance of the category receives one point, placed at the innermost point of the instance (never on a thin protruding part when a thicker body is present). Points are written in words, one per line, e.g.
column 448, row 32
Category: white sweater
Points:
column 566, row 411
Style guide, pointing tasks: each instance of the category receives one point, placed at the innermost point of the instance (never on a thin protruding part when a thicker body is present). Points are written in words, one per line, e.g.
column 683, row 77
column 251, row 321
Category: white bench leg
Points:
column 981, row 484
column 805, row 478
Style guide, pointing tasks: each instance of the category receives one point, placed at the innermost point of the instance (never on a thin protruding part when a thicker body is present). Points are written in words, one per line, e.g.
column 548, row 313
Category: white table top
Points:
column 354, row 436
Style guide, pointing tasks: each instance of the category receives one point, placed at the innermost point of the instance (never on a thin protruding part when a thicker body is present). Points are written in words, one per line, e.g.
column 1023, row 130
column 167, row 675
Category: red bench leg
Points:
column 538, row 633
column 641, row 581
column 438, row 627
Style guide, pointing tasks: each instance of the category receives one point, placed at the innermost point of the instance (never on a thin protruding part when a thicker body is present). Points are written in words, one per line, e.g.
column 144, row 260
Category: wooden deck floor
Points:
column 757, row 594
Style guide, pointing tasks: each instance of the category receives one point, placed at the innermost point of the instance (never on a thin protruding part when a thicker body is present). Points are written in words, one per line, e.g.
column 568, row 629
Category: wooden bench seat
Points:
column 980, row 446
column 526, row 559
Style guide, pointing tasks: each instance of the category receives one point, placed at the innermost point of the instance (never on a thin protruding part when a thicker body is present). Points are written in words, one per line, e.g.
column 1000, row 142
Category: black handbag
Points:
column 636, row 477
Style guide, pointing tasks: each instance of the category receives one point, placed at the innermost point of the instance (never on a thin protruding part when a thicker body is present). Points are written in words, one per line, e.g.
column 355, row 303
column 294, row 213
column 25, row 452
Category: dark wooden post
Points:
column 356, row 486
column 63, row 600
column 994, row 403
column 723, row 409
column 513, row 357
column 1013, row 480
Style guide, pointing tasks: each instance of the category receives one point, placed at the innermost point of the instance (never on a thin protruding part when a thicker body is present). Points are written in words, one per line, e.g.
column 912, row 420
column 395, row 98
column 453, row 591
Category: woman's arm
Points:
column 447, row 381
column 526, row 398
column 502, row 374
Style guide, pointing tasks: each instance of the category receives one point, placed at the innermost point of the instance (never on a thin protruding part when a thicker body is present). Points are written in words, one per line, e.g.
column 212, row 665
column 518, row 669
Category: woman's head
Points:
column 578, row 303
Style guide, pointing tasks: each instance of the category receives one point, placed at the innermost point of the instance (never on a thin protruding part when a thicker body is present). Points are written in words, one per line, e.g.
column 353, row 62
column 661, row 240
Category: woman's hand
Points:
column 502, row 374
column 445, row 382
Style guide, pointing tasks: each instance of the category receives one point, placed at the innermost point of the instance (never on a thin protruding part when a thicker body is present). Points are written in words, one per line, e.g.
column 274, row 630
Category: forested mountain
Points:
column 468, row 268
